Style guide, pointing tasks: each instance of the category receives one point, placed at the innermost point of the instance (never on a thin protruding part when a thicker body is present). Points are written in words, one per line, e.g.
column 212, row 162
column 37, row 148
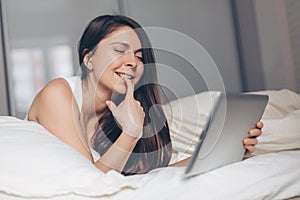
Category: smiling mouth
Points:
column 122, row 75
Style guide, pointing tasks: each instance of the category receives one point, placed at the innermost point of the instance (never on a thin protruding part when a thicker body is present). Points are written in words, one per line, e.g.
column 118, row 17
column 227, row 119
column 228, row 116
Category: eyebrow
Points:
column 122, row 43
column 126, row 45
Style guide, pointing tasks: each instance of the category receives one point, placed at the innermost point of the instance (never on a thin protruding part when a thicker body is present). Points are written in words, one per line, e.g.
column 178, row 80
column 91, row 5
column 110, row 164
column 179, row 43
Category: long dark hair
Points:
column 154, row 149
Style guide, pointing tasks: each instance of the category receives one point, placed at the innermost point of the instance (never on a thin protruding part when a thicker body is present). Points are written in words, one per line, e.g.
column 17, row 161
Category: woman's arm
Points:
column 117, row 155
column 56, row 110
column 130, row 115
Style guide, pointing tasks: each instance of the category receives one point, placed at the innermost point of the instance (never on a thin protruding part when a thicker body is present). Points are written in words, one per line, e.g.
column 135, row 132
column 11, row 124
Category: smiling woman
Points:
column 118, row 91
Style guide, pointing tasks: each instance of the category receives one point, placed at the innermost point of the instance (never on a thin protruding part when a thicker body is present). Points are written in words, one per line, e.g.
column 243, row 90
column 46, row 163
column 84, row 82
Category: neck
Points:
column 94, row 97
column 93, row 106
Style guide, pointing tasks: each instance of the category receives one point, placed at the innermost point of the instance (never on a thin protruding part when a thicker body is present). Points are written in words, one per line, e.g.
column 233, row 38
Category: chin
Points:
column 119, row 89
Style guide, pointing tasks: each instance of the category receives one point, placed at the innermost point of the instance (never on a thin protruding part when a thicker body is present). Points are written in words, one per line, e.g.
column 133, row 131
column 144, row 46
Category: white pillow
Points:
column 35, row 163
column 281, row 122
column 187, row 117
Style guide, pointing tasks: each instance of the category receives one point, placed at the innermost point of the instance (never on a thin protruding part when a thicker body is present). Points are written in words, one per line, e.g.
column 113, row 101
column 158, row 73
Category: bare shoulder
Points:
column 56, row 110
column 56, row 88
column 55, row 93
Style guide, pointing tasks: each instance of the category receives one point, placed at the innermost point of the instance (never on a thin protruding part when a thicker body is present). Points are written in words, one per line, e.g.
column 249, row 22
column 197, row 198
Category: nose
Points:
column 130, row 60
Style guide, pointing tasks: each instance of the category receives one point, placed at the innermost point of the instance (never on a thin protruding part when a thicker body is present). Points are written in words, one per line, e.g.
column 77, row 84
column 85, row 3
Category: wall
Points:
column 3, row 84
column 293, row 14
column 43, row 21
column 209, row 22
column 43, row 24
column 275, row 44
column 3, row 89
column 248, row 45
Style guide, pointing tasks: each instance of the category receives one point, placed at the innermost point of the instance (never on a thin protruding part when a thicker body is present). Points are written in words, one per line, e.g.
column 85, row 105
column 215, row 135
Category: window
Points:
column 33, row 67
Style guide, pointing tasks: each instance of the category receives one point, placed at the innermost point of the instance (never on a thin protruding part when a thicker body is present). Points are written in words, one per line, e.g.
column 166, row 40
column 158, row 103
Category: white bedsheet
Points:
column 268, row 176
column 35, row 165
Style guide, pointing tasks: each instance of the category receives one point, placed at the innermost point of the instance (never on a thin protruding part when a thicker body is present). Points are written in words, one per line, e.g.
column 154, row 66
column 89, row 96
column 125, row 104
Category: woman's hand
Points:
column 251, row 141
column 129, row 113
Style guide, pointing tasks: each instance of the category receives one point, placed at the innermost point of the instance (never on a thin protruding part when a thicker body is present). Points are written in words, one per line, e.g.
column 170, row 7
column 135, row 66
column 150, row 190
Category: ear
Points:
column 88, row 61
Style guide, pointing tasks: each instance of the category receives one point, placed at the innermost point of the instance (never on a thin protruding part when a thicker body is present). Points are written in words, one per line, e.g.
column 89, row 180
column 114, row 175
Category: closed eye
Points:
column 140, row 58
column 139, row 55
column 119, row 51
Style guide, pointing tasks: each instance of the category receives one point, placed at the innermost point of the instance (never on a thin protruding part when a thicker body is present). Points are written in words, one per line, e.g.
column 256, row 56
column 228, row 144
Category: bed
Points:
column 35, row 165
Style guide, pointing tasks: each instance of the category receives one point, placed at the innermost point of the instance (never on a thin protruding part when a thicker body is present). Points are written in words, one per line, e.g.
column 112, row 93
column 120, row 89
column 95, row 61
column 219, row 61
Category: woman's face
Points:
column 116, row 57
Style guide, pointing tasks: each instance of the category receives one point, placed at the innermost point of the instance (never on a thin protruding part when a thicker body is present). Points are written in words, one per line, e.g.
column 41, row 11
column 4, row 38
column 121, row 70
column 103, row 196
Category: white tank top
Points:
column 75, row 84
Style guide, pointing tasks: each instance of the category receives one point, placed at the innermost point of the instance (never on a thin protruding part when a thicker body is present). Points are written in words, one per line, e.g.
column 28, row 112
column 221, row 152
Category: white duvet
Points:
column 36, row 165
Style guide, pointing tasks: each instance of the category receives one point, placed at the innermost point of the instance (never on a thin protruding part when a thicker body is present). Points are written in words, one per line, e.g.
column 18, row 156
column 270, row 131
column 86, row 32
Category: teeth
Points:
column 125, row 76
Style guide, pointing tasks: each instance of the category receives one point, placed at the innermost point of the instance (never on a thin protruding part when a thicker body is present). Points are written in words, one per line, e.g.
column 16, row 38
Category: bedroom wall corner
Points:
column 4, row 106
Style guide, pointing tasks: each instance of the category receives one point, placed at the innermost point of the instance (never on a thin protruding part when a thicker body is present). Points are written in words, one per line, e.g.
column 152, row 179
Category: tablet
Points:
column 221, row 142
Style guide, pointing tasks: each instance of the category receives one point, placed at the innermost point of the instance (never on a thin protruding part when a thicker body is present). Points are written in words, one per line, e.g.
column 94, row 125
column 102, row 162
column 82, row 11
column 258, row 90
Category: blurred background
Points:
column 254, row 43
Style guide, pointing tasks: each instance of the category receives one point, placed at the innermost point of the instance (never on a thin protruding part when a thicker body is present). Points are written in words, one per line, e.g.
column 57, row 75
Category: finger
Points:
column 111, row 106
column 250, row 149
column 259, row 125
column 250, row 141
column 247, row 154
column 255, row 133
column 130, row 88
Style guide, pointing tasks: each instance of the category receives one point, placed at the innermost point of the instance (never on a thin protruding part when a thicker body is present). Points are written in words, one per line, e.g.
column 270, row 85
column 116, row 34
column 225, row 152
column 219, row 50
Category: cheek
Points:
column 140, row 73
column 105, row 59
column 106, row 65
column 141, row 70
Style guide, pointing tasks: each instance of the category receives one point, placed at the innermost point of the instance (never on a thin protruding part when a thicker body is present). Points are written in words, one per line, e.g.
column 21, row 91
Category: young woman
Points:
column 111, row 114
